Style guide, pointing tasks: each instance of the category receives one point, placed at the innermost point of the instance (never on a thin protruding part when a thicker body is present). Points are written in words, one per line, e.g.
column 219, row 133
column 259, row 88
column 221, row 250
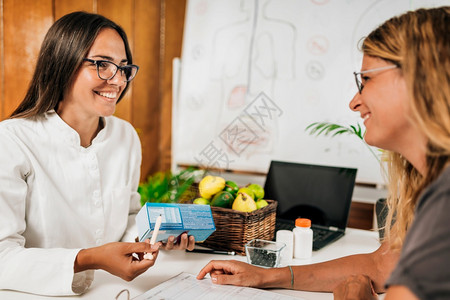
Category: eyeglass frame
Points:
column 359, row 83
column 121, row 68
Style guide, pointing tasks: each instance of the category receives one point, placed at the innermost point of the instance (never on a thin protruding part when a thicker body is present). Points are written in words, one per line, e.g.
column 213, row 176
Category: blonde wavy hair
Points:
column 418, row 42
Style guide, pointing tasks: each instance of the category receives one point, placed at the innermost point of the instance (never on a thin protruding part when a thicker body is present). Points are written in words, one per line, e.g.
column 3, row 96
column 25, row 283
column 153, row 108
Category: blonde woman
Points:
column 404, row 98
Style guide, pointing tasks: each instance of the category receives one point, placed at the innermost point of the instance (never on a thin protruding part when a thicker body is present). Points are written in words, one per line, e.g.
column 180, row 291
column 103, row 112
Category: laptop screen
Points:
column 320, row 193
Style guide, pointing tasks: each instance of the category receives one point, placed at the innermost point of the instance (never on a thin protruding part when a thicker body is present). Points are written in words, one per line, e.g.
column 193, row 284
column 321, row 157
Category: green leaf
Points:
column 325, row 128
column 340, row 132
column 166, row 187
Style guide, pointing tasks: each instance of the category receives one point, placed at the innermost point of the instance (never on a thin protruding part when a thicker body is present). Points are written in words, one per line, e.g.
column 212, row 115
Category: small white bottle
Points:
column 286, row 237
column 303, row 238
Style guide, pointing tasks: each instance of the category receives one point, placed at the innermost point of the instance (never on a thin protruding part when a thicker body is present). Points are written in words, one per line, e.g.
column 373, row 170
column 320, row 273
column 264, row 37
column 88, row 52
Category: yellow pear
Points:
column 210, row 185
column 244, row 202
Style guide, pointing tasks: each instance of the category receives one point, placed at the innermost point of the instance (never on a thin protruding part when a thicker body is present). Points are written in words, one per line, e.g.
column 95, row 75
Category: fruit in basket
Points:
column 222, row 199
column 244, row 202
column 261, row 203
column 210, row 185
column 257, row 190
column 231, row 187
column 201, row 201
column 247, row 191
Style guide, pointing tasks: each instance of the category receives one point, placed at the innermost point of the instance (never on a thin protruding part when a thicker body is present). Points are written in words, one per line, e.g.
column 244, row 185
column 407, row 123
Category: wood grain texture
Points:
column 2, row 60
column 63, row 7
column 173, row 37
column 361, row 215
column 25, row 25
column 121, row 12
column 146, row 104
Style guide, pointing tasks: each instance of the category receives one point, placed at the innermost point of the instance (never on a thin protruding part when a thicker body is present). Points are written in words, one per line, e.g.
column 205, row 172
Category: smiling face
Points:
column 383, row 104
column 89, row 96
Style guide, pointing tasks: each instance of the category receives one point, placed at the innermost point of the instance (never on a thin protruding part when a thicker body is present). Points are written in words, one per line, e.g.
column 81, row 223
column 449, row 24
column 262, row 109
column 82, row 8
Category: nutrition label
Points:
column 196, row 216
column 181, row 216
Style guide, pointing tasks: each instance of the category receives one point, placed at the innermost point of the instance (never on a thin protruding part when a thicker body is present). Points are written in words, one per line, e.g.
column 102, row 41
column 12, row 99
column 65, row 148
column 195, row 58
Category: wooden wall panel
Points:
column 361, row 215
column 148, row 24
column 2, row 60
column 121, row 12
column 146, row 87
column 63, row 7
column 25, row 25
column 173, row 36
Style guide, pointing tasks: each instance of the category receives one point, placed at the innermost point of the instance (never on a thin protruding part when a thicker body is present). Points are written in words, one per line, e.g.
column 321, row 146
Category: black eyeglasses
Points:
column 359, row 79
column 107, row 69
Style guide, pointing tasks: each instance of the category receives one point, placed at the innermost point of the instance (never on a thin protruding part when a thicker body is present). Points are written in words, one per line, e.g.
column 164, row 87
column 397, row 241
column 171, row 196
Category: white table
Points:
column 171, row 263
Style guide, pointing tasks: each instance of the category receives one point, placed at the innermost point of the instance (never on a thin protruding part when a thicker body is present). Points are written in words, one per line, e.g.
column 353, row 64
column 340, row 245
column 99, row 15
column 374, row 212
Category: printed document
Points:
column 186, row 286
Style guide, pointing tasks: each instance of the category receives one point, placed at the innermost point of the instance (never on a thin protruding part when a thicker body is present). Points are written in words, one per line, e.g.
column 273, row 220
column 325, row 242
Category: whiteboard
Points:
column 255, row 73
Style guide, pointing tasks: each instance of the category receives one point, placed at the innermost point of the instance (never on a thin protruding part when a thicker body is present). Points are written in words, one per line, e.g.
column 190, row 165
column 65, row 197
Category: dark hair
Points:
column 65, row 45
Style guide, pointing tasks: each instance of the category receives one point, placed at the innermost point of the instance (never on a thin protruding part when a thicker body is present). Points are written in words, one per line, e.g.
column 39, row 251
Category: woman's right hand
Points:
column 124, row 260
column 234, row 273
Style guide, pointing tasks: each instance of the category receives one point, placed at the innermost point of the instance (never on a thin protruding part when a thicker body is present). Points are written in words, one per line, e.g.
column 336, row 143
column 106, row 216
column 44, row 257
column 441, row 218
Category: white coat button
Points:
column 96, row 193
column 99, row 242
column 97, row 202
column 98, row 232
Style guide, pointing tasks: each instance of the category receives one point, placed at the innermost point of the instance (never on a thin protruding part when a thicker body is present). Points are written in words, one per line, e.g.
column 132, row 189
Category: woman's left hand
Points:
column 184, row 242
column 355, row 287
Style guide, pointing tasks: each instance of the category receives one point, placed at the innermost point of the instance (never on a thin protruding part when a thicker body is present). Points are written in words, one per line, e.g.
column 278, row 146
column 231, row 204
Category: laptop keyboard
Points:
column 320, row 235
column 284, row 225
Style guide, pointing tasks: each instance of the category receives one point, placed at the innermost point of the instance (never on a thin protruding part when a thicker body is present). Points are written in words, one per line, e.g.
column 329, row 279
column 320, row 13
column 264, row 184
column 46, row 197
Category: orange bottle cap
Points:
column 302, row 222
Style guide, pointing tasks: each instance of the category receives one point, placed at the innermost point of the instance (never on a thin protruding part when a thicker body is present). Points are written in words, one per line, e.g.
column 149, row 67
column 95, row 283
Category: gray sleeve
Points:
column 424, row 265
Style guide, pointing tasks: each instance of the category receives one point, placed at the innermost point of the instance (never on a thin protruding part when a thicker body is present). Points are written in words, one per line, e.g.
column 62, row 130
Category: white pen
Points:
column 154, row 236
column 156, row 230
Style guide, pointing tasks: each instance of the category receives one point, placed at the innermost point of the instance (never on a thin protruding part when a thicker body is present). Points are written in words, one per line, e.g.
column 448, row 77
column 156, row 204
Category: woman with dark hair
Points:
column 404, row 98
column 69, row 170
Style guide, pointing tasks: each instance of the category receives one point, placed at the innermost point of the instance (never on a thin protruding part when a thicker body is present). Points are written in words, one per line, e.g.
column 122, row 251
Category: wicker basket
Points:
column 235, row 228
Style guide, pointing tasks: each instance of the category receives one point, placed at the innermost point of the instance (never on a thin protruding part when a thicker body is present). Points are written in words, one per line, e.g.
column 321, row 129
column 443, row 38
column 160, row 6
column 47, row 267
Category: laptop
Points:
column 320, row 193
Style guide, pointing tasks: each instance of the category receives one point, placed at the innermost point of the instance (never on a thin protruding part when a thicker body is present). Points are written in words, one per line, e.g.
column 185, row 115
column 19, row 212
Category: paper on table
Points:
column 186, row 286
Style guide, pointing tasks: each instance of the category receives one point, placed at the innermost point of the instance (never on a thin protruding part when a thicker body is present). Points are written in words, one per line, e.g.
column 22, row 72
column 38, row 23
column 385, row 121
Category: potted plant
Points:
column 165, row 187
column 326, row 128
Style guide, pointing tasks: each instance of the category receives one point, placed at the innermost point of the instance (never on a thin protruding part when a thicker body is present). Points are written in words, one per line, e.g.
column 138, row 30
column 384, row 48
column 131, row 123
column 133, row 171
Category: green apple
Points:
column 247, row 191
column 258, row 190
column 201, row 201
column 261, row 203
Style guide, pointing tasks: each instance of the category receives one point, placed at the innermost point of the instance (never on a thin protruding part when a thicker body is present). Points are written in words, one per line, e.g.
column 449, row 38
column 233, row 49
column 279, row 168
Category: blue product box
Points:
column 194, row 219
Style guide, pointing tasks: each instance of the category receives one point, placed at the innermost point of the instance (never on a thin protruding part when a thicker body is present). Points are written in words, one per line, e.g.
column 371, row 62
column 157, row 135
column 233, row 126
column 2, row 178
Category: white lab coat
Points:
column 57, row 197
